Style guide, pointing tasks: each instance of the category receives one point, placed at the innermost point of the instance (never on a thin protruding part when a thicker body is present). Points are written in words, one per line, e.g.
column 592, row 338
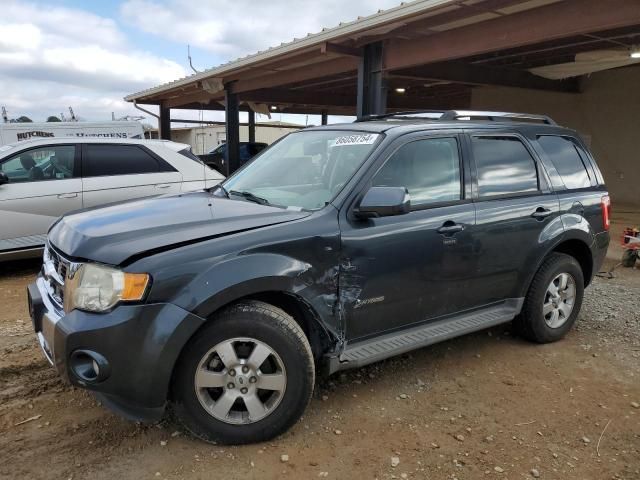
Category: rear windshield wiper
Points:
column 250, row 196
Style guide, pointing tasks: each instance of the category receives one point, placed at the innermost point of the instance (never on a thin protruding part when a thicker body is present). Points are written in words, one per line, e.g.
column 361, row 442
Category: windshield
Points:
column 304, row 170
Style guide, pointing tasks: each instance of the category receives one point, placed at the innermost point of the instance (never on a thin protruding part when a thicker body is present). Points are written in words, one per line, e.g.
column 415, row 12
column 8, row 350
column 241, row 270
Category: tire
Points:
column 629, row 258
column 538, row 321
column 288, row 370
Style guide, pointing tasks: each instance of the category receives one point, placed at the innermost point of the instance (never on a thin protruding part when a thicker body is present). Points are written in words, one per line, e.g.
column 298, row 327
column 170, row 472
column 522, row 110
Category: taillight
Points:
column 606, row 211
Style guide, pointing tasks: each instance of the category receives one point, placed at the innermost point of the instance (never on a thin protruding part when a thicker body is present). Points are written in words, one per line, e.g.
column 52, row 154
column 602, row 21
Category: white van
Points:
column 17, row 132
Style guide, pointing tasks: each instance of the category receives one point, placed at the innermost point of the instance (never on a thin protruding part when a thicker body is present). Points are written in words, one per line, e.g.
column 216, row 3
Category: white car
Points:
column 42, row 179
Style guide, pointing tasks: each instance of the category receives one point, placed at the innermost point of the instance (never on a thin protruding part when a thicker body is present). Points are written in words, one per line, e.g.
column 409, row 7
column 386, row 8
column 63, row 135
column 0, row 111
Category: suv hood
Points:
column 114, row 233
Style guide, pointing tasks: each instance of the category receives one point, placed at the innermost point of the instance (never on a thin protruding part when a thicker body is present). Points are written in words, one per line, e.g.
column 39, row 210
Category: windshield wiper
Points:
column 250, row 196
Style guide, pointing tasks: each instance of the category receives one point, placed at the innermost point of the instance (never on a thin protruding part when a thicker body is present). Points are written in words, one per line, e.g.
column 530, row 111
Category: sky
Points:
column 90, row 54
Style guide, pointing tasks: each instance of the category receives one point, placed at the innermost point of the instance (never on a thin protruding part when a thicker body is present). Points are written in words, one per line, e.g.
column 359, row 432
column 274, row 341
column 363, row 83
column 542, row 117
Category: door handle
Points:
column 541, row 213
column 68, row 195
column 450, row 228
column 163, row 185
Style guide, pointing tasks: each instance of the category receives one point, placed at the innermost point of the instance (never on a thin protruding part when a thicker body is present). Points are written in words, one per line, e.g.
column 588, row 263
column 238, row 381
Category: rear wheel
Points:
column 553, row 301
column 246, row 377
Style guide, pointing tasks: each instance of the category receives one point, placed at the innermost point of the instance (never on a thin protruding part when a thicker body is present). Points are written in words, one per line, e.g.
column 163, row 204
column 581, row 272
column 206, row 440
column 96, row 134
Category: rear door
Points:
column 115, row 172
column 44, row 183
column 575, row 180
column 516, row 212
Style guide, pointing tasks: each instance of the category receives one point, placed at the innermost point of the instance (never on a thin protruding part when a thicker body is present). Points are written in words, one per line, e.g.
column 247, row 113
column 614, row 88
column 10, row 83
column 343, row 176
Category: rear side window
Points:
column 120, row 160
column 568, row 162
column 504, row 165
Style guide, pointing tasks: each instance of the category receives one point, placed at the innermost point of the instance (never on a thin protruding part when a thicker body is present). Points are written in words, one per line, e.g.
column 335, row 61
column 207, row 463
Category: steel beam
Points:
column 558, row 20
column 372, row 88
column 459, row 72
column 164, row 123
column 286, row 77
column 232, row 127
column 252, row 126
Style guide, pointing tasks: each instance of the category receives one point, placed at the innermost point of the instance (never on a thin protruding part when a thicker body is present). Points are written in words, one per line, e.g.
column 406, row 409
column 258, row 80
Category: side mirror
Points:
column 3, row 178
column 384, row 202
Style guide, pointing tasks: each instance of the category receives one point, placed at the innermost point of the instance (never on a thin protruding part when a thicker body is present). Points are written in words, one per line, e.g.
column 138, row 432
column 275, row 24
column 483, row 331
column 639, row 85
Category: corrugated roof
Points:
column 376, row 20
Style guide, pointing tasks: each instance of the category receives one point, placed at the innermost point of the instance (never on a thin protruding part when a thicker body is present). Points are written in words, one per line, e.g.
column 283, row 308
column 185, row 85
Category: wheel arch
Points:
column 579, row 250
column 575, row 246
column 275, row 292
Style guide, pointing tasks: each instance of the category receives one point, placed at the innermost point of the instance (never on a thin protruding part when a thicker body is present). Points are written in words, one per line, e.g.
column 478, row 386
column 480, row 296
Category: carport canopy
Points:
column 425, row 54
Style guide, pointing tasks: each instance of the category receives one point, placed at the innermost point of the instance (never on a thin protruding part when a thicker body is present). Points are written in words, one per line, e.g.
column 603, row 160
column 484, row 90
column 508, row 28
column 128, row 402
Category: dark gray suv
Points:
column 337, row 247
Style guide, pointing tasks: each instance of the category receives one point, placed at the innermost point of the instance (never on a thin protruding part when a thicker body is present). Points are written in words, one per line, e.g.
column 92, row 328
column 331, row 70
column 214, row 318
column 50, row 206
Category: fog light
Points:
column 89, row 367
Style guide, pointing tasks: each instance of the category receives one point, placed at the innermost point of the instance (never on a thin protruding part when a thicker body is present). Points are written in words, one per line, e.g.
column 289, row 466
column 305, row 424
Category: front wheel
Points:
column 553, row 301
column 246, row 377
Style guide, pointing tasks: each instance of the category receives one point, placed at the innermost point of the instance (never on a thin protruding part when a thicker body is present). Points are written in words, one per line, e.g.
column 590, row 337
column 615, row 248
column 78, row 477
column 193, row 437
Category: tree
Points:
column 24, row 119
column 53, row 118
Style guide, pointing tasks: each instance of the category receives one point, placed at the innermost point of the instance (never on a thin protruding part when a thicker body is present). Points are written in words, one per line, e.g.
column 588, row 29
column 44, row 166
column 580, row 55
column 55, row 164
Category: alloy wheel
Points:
column 240, row 381
column 559, row 300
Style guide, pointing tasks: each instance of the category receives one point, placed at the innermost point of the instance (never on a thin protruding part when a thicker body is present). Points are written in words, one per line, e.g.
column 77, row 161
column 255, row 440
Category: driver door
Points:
column 44, row 183
column 405, row 269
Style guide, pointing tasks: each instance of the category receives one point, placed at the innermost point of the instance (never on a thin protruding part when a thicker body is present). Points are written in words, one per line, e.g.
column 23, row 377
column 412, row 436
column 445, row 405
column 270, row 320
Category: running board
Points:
column 378, row 348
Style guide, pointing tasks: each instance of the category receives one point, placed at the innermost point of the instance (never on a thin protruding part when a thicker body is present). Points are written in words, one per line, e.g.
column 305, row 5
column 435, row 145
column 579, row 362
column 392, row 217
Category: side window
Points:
column 504, row 166
column 54, row 162
column 119, row 160
column 429, row 169
column 568, row 162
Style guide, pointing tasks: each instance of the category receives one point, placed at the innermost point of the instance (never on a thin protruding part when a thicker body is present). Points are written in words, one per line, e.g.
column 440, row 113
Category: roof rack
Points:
column 451, row 115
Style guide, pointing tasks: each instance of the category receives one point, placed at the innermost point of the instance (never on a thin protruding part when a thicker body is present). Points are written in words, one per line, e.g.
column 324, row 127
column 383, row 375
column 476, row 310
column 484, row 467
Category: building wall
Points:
column 606, row 113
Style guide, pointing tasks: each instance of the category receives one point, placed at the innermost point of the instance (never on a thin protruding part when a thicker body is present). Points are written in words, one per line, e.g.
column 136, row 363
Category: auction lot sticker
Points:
column 361, row 139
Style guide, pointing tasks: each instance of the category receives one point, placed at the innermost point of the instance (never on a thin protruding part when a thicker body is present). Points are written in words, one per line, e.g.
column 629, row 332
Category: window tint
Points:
column 54, row 162
column 429, row 169
column 504, row 166
column 119, row 160
column 567, row 160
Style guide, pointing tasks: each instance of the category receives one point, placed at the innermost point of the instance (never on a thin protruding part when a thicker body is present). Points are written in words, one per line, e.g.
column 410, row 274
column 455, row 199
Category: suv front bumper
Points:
column 139, row 343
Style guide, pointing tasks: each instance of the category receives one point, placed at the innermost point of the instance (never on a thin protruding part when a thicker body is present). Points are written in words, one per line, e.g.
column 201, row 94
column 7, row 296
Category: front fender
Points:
column 235, row 277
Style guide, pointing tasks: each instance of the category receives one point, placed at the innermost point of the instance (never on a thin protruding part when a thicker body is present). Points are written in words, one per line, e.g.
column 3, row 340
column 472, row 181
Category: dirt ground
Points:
column 486, row 405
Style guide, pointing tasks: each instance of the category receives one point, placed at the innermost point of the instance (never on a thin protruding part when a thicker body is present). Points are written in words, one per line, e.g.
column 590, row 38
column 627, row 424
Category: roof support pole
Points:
column 252, row 126
column 324, row 117
column 372, row 88
column 232, row 124
column 164, row 123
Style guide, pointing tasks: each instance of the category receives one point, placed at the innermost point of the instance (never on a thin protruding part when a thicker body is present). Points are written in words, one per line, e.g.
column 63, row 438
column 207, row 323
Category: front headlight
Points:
column 97, row 288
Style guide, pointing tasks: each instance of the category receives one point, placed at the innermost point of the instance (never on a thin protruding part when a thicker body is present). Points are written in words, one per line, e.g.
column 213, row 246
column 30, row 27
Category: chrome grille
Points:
column 54, row 272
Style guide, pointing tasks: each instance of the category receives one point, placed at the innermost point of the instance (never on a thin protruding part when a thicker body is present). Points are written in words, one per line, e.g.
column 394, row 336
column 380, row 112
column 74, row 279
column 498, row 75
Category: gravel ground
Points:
column 487, row 405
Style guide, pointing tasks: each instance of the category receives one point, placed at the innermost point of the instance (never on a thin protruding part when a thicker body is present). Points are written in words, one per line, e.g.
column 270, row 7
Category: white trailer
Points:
column 16, row 132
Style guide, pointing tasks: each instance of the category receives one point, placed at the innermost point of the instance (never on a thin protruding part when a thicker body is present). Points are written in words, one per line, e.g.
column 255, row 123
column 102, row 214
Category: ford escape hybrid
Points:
column 336, row 247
